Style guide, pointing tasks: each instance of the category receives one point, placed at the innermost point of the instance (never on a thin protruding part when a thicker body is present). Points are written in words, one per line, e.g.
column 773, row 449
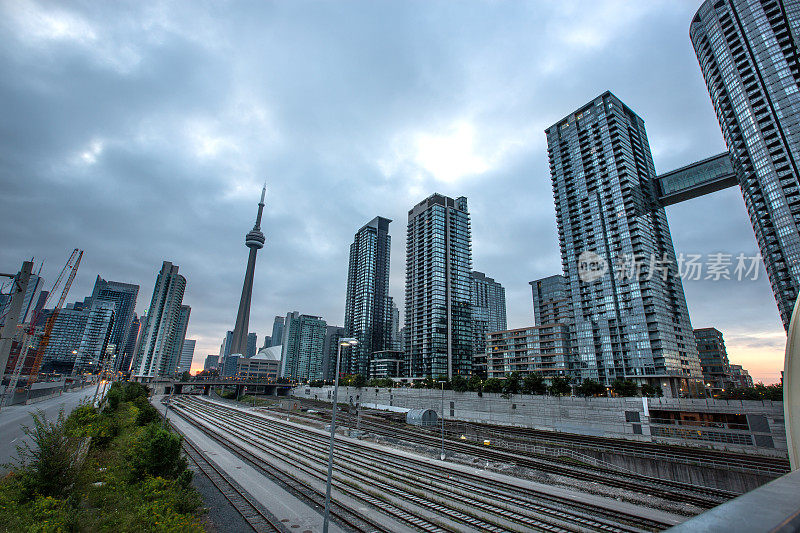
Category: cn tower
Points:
column 255, row 241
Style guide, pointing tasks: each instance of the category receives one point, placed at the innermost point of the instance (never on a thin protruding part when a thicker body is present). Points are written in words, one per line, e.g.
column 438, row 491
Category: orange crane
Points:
column 72, row 265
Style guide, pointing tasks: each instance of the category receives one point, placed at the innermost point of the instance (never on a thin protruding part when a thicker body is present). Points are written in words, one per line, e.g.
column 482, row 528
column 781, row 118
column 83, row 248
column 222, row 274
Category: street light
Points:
column 348, row 341
column 442, row 382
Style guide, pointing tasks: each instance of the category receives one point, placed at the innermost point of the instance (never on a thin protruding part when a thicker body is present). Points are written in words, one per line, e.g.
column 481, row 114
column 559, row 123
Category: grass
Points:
column 133, row 477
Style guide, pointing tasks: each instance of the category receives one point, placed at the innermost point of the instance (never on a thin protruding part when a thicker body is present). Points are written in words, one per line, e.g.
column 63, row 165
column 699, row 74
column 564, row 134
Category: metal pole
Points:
column 326, row 518
column 442, row 421
column 166, row 407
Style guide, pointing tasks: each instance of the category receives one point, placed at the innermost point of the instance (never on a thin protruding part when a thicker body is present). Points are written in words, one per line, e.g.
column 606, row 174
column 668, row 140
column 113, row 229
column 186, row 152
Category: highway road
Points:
column 14, row 417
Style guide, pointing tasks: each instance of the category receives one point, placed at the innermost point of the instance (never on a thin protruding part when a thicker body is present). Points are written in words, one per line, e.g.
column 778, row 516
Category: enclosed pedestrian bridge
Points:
column 204, row 386
column 697, row 179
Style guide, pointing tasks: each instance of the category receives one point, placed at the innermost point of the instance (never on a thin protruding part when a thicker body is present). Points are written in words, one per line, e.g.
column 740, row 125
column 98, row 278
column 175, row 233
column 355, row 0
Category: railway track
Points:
column 761, row 464
column 676, row 491
column 494, row 506
column 258, row 519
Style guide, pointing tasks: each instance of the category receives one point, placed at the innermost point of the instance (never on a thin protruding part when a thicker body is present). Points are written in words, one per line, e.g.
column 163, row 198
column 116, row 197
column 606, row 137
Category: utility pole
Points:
column 18, row 289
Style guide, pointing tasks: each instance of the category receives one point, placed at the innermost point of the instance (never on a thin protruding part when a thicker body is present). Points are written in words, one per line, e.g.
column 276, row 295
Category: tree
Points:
column 358, row 381
column 625, row 388
column 534, row 384
column 493, row 385
column 559, row 386
column 475, row 383
column 652, row 392
column 511, row 384
column 758, row 392
column 590, row 387
column 186, row 376
column 460, row 384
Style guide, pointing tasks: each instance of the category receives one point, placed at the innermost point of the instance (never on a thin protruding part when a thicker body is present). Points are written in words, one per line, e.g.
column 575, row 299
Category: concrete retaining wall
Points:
column 604, row 417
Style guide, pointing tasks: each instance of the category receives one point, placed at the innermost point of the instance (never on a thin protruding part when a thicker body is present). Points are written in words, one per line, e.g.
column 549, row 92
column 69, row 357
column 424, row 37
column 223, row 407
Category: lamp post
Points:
column 348, row 341
column 442, row 382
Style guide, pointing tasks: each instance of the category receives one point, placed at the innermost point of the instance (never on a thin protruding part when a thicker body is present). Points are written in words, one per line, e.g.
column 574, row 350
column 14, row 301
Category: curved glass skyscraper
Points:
column 748, row 53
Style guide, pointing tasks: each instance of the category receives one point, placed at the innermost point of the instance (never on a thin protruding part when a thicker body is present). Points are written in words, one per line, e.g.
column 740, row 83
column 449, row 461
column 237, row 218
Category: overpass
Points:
column 252, row 386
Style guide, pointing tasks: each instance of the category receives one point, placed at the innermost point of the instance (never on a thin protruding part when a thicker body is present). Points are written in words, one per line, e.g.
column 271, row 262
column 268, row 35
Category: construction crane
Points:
column 72, row 265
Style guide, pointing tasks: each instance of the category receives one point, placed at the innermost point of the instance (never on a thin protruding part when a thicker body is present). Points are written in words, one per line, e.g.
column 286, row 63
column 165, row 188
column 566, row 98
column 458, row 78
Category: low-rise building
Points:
column 387, row 364
column 741, row 377
column 265, row 364
column 535, row 349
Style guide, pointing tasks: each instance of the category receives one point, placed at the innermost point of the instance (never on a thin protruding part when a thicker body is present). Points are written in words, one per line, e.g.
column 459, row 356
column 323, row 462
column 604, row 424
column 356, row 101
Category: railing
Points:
column 700, row 423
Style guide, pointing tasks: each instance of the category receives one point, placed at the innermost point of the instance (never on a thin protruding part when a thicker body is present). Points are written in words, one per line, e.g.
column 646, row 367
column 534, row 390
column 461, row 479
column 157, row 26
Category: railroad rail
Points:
column 677, row 491
column 259, row 519
column 458, row 497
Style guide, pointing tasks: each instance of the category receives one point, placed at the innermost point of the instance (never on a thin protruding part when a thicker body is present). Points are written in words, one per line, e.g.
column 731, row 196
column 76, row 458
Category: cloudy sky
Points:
column 143, row 131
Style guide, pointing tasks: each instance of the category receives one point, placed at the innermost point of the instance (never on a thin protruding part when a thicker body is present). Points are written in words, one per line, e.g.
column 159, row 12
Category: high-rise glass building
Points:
column 187, row 354
column 629, row 310
column 65, row 338
column 252, row 340
column 488, row 299
column 329, row 351
column 131, row 341
column 303, row 351
column 367, row 314
column 748, row 52
column 163, row 328
column 277, row 331
column 438, row 318
column 123, row 296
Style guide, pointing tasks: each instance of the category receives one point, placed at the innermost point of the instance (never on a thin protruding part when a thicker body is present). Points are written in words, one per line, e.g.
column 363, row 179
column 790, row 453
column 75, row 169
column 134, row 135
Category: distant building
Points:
column 332, row 336
column 533, row 350
column 394, row 343
column 161, row 337
column 29, row 302
column 123, row 296
column 264, row 365
column 211, row 363
column 367, row 314
column 183, row 325
column 267, row 341
column 387, row 364
column 303, row 352
column 277, row 331
column 252, row 341
column 231, row 365
column 131, row 341
column 94, row 345
column 552, row 307
column 187, row 354
column 65, row 339
column 488, row 315
column 713, row 359
column 551, row 303
column 438, row 316
column 741, row 377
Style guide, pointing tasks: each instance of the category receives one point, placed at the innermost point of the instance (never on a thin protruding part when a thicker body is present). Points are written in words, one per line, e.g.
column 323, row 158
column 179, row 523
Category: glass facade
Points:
column 367, row 313
column 162, row 334
column 626, row 323
column 748, row 53
column 438, row 320
column 488, row 316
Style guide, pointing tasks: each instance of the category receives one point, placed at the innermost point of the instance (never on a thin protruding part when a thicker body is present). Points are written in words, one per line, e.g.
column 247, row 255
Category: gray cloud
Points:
column 142, row 132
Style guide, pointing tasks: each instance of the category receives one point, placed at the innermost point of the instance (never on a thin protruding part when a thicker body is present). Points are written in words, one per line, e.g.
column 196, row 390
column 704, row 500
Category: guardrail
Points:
column 726, row 464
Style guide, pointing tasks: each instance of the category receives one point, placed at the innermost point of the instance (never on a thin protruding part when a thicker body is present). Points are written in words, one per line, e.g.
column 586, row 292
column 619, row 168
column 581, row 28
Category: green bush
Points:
column 625, row 388
column 590, row 387
column 534, row 384
column 157, row 453
column 146, row 414
column 49, row 462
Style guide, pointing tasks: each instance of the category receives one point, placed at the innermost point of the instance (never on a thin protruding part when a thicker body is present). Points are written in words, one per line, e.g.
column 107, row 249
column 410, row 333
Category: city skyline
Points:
column 496, row 145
